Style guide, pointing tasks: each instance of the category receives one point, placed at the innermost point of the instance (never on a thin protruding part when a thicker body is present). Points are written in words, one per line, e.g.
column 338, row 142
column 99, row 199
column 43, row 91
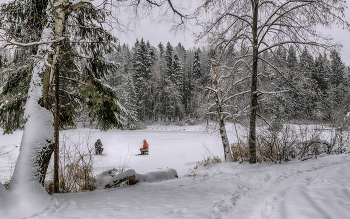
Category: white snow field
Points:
column 295, row 190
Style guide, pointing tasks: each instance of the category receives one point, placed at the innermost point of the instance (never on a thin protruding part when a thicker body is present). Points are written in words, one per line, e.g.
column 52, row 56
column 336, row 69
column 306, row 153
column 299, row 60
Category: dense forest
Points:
column 171, row 84
column 166, row 83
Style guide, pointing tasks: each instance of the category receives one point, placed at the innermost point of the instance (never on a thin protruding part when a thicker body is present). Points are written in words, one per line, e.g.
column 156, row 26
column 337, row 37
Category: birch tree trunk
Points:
column 219, row 111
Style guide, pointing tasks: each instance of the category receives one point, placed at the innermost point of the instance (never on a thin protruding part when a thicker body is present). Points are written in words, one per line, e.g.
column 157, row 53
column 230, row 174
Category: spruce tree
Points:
column 169, row 59
column 338, row 100
column 196, row 68
column 161, row 50
column 14, row 92
column 176, row 76
column 143, row 61
column 337, row 69
column 162, row 94
column 306, row 96
column 319, row 75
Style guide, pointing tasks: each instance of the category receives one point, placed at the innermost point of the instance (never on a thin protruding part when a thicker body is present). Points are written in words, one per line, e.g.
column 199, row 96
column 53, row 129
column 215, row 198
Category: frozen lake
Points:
column 178, row 147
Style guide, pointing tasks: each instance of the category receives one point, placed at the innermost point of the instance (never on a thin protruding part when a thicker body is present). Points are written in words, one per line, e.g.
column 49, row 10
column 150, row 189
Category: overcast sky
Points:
column 156, row 32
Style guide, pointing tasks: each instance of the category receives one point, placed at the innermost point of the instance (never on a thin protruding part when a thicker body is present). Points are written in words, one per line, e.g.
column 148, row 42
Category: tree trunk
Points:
column 36, row 146
column 37, row 142
column 219, row 112
column 224, row 139
column 57, row 133
column 254, row 85
column 59, row 30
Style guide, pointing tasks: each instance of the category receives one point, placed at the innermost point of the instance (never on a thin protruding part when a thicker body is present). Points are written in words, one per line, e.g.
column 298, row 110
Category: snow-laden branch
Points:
column 72, row 79
column 211, row 113
column 273, row 92
column 76, row 4
column 14, row 43
column 69, row 93
column 212, row 89
column 235, row 95
column 15, row 70
column 104, row 84
column 212, row 105
column 232, row 68
column 241, row 80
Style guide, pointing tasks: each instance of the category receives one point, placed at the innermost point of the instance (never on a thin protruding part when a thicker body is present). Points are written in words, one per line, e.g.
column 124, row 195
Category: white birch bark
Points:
column 219, row 111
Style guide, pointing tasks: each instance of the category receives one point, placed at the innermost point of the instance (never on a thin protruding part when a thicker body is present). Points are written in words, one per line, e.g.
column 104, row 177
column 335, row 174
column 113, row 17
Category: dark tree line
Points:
column 166, row 83
column 318, row 86
column 162, row 83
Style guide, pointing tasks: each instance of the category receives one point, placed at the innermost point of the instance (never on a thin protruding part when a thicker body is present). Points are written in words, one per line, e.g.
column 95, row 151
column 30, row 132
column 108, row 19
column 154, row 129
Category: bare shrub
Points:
column 192, row 172
column 240, row 151
column 303, row 142
column 205, row 162
column 272, row 146
column 277, row 147
column 323, row 139
column 7, row 184
column 76, row 160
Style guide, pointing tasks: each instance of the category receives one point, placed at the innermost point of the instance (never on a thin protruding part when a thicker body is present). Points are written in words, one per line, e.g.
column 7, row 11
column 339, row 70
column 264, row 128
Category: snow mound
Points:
column 3, row 192
column 108, row 178
column 157, row 175
column 15, row 205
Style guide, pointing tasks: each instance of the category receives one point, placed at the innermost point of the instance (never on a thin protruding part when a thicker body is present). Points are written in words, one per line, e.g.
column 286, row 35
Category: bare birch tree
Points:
column 262, row 25
column 224, row 82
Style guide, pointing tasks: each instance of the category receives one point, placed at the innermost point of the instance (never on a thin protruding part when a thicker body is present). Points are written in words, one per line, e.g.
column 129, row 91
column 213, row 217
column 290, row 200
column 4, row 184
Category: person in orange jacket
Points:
column 145, row 147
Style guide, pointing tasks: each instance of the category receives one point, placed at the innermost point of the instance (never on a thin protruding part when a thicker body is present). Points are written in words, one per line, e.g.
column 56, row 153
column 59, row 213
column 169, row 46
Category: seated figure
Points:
column 144, row 149
column 98, row 147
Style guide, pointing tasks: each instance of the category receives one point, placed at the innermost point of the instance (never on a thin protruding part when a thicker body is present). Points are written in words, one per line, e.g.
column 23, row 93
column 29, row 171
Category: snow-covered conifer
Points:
column 337, row 69
column 169, row 59
column 196, row 68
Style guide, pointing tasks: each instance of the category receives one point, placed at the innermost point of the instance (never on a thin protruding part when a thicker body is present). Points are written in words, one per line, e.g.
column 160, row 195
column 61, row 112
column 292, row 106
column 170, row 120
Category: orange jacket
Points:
column 145, row 146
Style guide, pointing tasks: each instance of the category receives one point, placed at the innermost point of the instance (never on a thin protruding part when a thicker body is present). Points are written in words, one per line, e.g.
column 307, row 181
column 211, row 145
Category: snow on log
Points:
column 108, row 179
column 157, row 175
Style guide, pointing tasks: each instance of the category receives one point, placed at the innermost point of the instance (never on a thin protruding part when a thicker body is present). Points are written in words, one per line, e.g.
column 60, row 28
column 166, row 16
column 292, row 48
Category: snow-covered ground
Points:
column 309, row 189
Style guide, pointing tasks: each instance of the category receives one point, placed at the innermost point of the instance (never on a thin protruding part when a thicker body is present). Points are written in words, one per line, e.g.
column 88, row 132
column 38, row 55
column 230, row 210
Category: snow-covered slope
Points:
column 309, row 189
